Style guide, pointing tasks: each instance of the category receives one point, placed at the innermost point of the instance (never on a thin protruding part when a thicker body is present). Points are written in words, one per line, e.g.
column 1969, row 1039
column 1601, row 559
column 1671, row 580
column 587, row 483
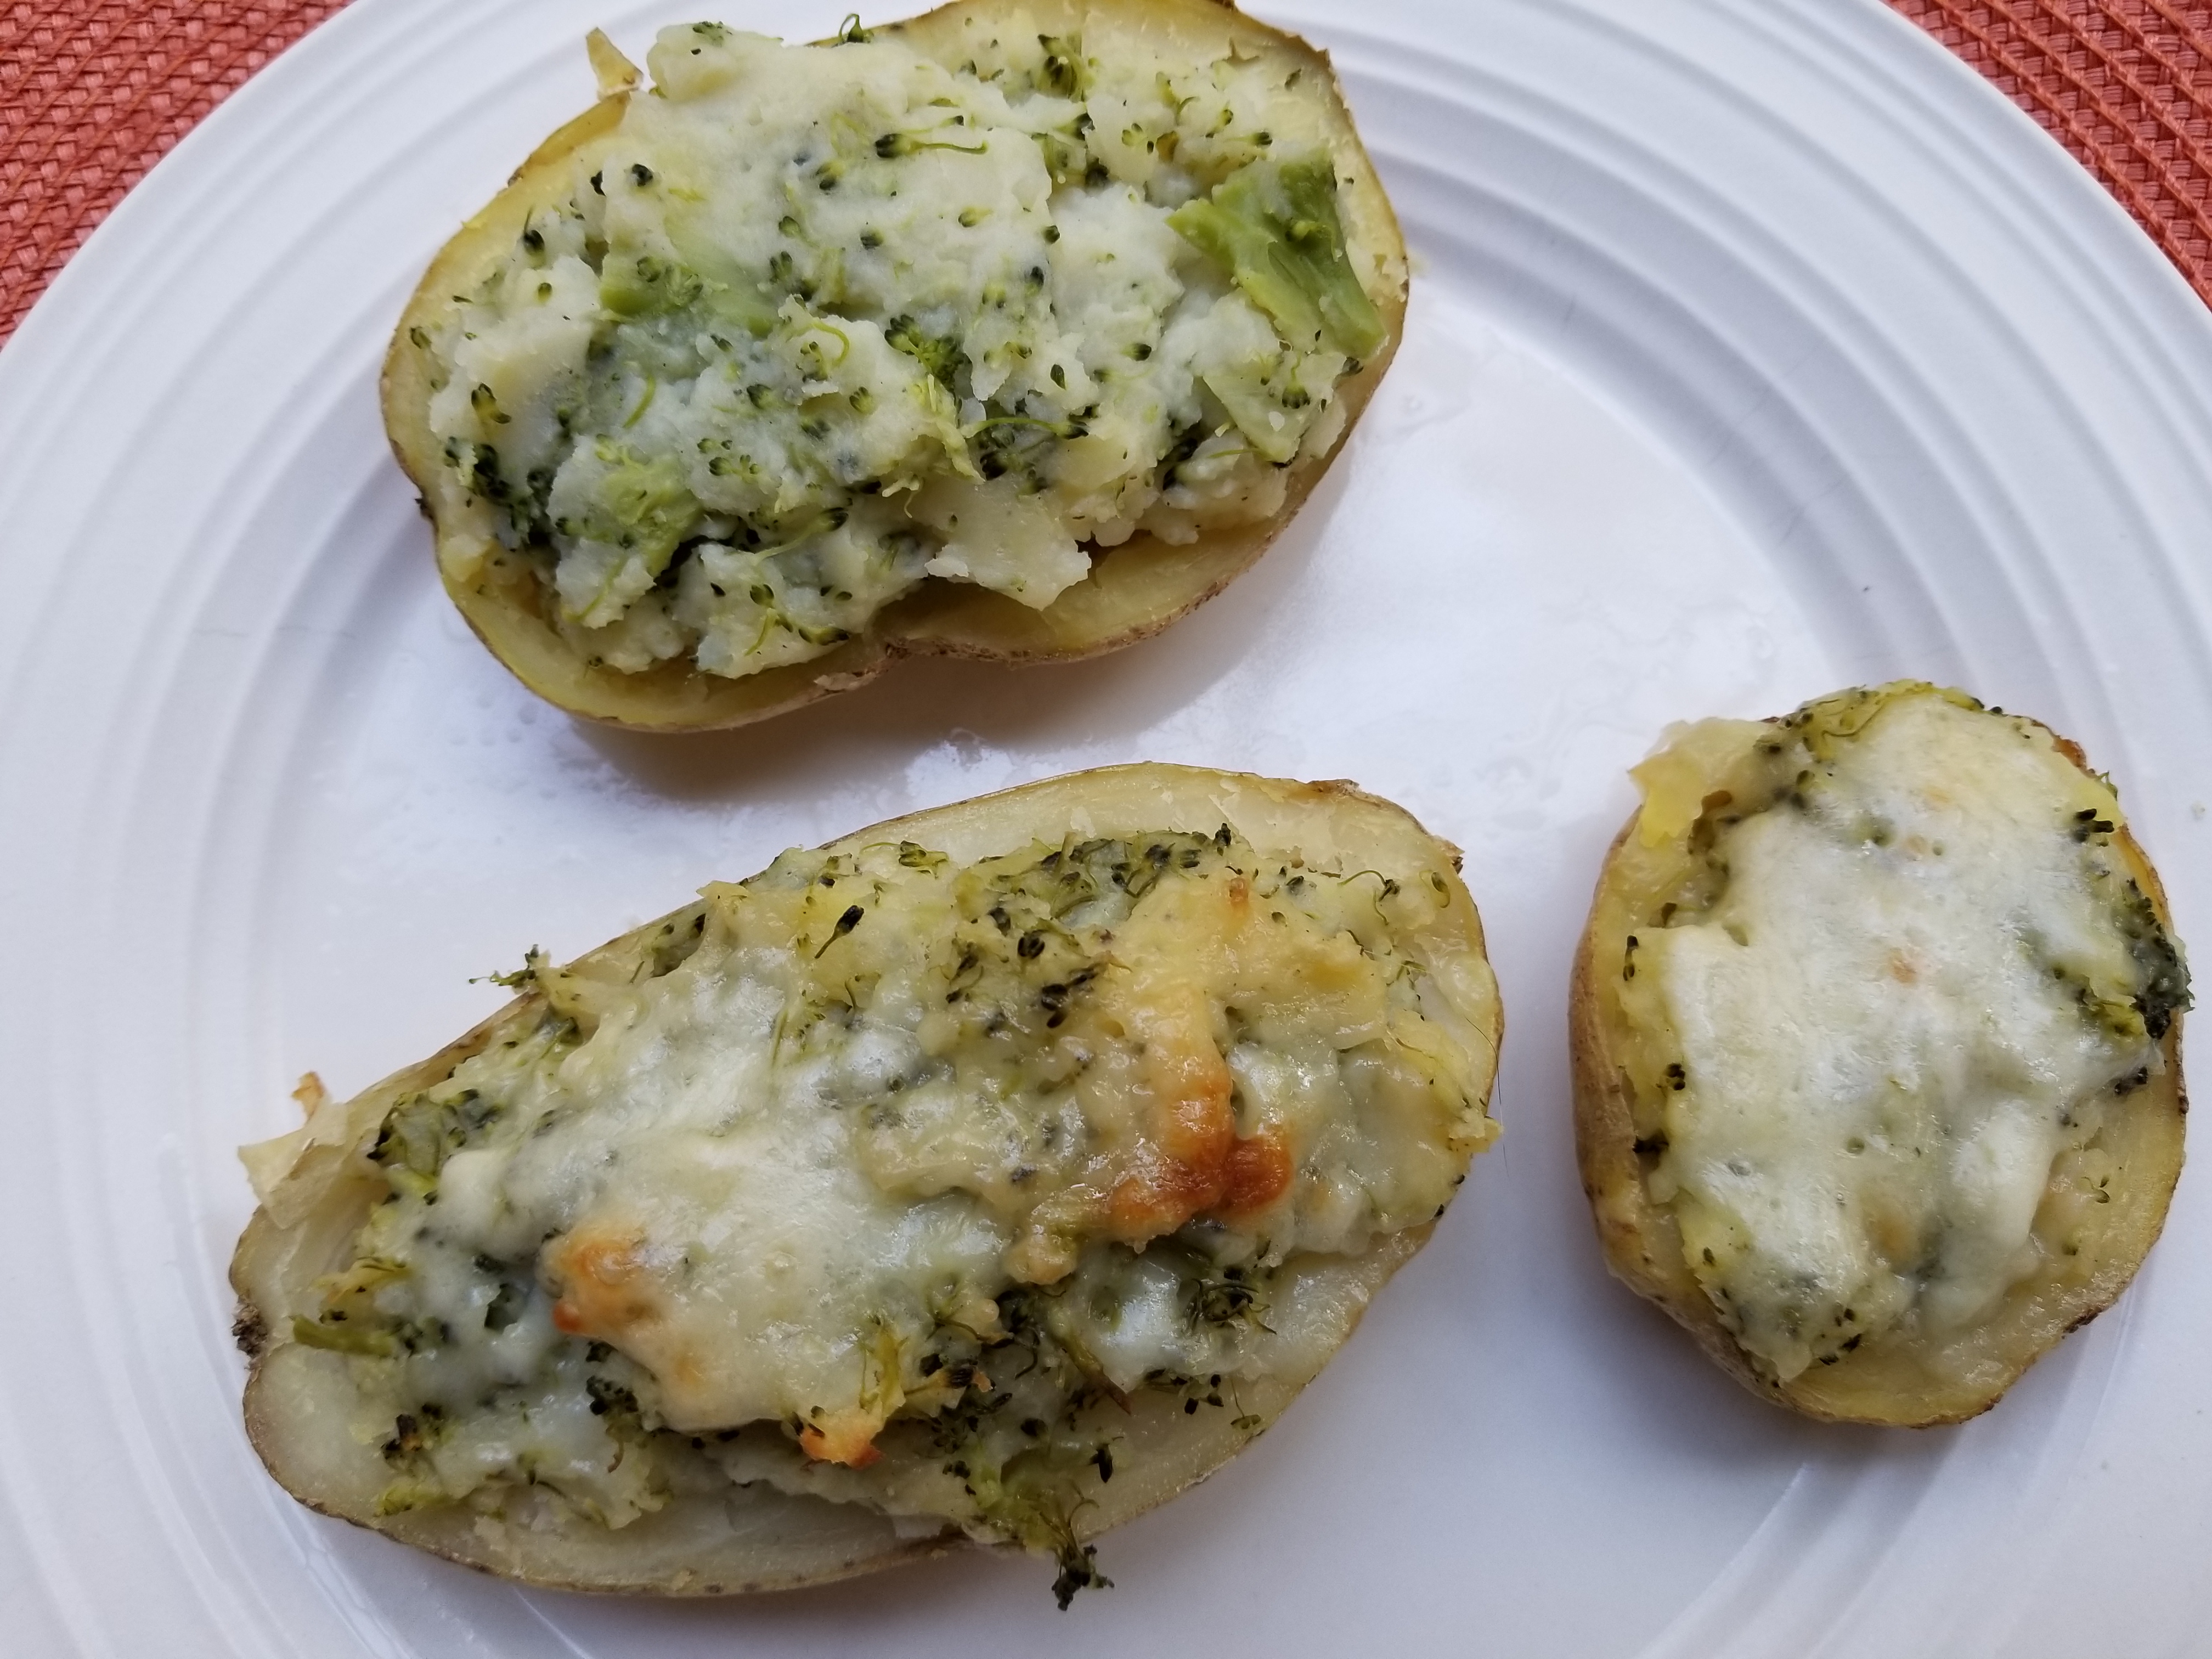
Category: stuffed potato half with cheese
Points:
column 1012, row 331
column 990, row 1175
column 1876, row 1044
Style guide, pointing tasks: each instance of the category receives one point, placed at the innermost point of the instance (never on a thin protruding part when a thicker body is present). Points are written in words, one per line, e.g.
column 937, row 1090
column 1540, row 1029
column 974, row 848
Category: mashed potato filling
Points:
column 820, row 322
column 1910, row 975
column 887, row 1170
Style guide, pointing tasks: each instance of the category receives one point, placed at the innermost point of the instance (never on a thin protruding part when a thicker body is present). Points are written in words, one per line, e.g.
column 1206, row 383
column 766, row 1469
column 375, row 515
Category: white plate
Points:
column 1758, row 348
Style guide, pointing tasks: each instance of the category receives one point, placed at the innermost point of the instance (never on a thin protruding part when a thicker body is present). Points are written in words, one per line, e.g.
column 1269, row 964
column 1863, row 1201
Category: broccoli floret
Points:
column 1273, row 228
column 940, row 353
column 642, row 504
column 641, row 285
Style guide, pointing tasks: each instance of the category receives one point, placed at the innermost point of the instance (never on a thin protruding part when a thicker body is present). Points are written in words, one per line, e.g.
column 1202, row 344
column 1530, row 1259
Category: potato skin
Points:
column 1133, row 592
column 1642, row 1245
column 298, row 1399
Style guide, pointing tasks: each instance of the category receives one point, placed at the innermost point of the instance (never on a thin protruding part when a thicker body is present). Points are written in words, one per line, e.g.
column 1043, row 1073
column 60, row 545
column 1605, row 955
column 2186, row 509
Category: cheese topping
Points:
column 1908, row 978
column 819, row 322
column 877, row 1137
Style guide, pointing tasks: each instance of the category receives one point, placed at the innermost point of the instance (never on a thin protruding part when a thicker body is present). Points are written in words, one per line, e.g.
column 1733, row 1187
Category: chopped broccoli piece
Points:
column 640, row 285
column 420, row 1132
column 940, row 353
column 1273, row 226
column 2162, row 974
column 645, row 506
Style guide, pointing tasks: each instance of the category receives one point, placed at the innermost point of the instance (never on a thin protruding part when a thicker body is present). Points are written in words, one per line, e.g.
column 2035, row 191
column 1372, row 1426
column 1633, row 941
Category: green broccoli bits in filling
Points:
column 927, row 1187
column 1912, row 982
column 814, row 324
column 1276, row 229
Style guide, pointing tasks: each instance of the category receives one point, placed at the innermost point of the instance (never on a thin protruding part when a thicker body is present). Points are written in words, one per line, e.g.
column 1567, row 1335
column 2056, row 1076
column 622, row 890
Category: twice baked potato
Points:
column 1012, row 331
column 1876, row 1032
column 988, row 1175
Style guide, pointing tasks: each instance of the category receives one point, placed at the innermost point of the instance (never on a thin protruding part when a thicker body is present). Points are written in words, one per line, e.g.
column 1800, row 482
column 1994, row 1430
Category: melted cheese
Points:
column 1113, row 1116
column 1917, row 979
column 817, row 323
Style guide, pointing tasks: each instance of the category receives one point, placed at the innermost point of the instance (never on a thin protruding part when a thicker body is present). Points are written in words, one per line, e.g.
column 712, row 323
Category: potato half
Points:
column 1255, row 1070
column 497, row 570
column 1827, row 965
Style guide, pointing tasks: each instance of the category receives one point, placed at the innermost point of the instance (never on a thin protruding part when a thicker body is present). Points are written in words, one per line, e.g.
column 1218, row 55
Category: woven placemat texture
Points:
column 2125, row 84
column 93, row 92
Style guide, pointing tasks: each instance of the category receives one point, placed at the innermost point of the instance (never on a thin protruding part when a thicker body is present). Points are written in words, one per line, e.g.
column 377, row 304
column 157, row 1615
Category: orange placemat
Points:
column 93, row 92
column 2125, row 84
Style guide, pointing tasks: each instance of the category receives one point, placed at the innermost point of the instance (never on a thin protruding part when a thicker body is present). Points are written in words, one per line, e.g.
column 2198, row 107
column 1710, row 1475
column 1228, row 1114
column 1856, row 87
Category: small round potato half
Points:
column 1876, row 1047
column 1422, row 1054
column 1134, row 588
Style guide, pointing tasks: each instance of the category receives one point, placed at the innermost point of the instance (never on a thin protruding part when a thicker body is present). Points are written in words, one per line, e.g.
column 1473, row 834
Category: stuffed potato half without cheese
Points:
column 1012, row 331
column 991, row 1175
column 1877, row 1043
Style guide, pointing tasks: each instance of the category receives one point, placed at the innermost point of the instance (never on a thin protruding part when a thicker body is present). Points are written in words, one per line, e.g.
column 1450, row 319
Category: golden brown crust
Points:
column 1642, row 1244
column 317, row 1194
column 1133, row 592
